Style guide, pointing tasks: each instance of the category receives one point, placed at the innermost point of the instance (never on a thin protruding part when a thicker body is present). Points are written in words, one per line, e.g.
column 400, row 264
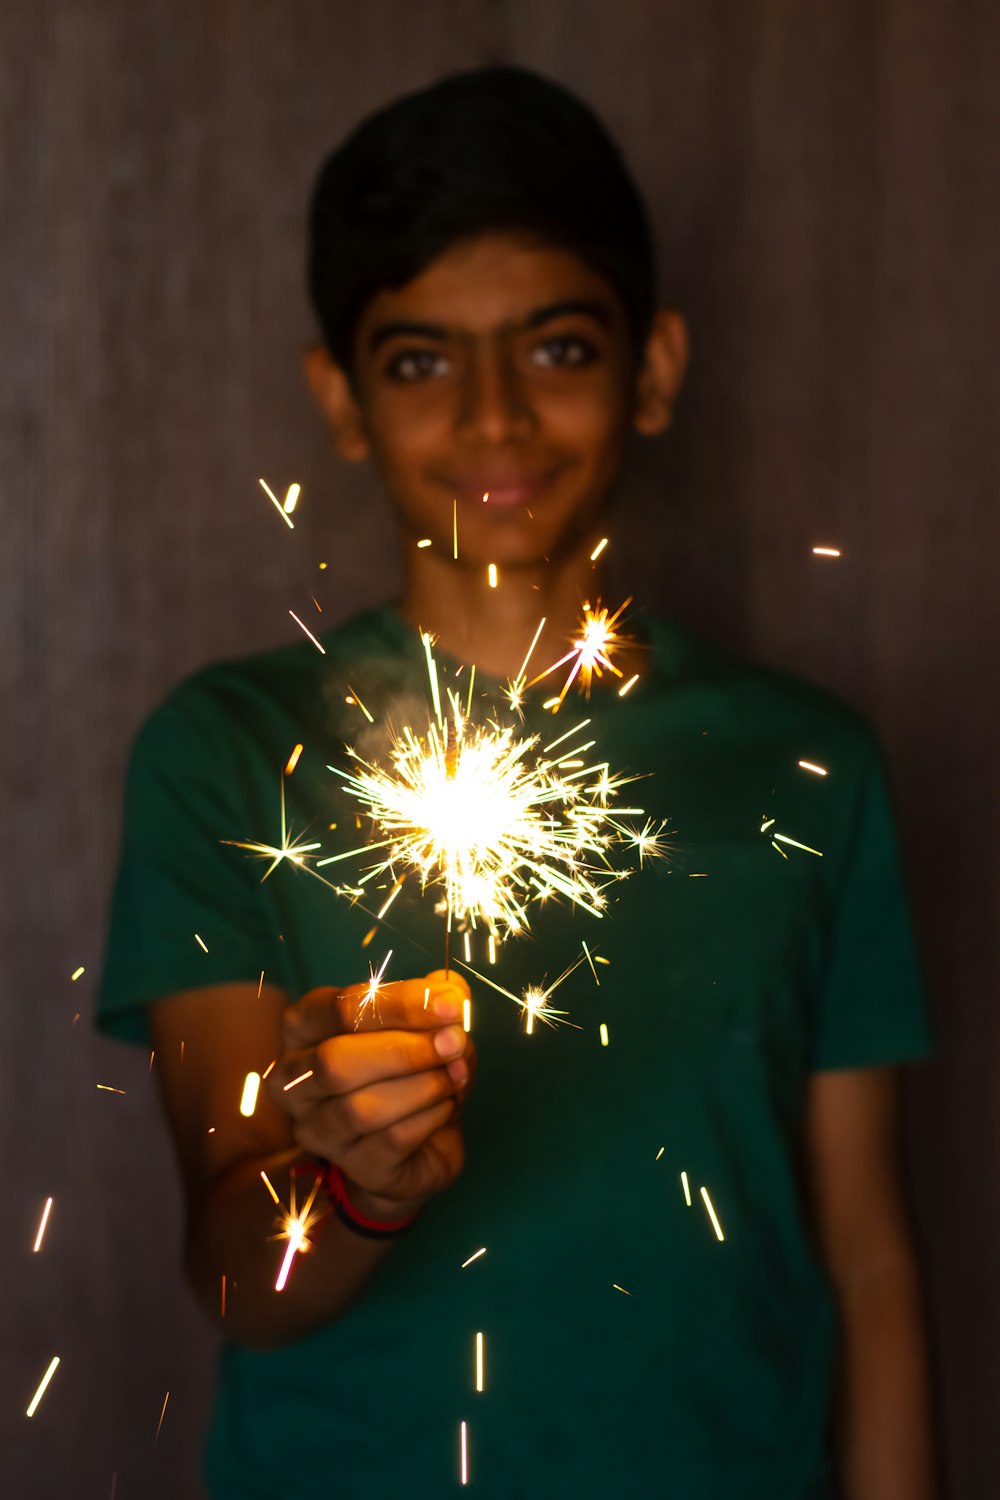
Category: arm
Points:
column 884, row 1412
column 381, row 1102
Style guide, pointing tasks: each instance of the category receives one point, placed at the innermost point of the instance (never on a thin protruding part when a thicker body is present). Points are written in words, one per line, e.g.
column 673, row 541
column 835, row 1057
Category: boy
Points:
column 482, row 272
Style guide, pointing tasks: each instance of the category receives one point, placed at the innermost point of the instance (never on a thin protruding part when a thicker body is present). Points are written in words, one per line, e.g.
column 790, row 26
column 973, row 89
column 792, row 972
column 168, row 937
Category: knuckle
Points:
column 333, row 1063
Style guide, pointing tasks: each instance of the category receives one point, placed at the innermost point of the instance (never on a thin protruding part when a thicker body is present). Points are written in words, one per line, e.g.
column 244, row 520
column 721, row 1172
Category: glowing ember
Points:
column 248, row 1101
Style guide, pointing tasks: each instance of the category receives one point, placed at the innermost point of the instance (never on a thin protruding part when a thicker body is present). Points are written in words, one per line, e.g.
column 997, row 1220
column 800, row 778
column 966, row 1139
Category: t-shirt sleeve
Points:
column 186, row 909
column 871, row 1003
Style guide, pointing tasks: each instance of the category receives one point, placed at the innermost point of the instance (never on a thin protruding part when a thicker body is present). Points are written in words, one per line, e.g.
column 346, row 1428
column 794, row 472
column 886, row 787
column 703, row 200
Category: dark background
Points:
column 823, row 180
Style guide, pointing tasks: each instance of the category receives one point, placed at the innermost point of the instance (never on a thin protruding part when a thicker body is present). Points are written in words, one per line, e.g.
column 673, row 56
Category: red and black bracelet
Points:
column 352, row 1218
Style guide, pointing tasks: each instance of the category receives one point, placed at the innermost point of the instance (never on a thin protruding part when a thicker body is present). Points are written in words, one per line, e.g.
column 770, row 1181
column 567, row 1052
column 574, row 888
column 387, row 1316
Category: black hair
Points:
column 495, row 149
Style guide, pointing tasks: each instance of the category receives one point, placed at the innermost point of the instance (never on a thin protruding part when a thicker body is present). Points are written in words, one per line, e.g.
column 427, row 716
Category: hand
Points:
column 385, row 1087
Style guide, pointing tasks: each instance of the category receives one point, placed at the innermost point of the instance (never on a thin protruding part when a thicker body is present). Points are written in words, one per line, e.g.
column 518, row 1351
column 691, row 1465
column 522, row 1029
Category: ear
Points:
column 332, row 392
column 661, row 374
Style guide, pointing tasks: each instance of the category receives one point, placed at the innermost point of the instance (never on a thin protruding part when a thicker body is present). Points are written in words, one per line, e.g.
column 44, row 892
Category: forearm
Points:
column 231, row 1236
column 885, row 1439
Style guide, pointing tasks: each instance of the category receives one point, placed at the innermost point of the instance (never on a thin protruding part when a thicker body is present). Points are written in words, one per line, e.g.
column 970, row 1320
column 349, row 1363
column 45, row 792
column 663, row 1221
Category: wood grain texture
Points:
column 822, row 181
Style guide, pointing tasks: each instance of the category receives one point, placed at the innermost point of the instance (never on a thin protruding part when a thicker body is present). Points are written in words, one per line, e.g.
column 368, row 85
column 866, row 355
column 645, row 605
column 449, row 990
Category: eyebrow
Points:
column 438, row 331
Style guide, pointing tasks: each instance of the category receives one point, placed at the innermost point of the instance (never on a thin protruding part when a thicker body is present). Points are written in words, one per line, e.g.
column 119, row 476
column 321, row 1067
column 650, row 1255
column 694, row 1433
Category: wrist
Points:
column 371, row 1215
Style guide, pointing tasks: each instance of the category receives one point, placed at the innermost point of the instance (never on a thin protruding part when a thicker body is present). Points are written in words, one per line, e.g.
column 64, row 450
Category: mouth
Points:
column 501, row 490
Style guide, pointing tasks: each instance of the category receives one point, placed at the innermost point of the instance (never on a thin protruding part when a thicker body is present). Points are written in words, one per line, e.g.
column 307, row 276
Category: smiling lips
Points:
column 507, row 489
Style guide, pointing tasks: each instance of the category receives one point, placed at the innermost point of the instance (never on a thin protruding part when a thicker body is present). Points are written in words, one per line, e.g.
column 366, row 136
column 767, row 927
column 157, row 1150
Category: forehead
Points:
column 481, row 286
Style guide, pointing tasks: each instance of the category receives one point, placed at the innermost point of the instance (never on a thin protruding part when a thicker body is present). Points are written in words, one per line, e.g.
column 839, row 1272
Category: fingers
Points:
column 418, row 1157
column 346, row 1118
column 417, row 1004
column 347, row 1063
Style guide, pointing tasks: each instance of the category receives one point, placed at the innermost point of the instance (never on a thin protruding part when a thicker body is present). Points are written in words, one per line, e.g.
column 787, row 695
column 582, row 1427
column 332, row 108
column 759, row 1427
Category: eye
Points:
column 413, row 365
column 568, row 351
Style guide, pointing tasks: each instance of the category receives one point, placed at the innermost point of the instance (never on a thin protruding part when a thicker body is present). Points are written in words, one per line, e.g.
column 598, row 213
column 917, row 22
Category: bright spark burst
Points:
column 295, row 1226
column 590, row 651
column 375, row 979
column 535, row 1002
column 494, row 819
column 291, row 849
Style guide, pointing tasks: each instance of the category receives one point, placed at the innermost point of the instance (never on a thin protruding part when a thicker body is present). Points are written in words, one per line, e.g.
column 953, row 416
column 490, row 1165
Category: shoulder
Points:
column 754, row 703
column 226, row 701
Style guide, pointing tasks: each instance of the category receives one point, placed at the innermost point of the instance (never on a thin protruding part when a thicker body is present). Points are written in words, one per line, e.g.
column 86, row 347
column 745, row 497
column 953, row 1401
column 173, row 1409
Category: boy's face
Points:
column 503, row 369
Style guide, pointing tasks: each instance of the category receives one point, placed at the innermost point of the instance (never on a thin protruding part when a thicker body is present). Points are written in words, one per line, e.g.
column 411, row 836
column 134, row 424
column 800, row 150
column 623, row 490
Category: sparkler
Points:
column 495, row 819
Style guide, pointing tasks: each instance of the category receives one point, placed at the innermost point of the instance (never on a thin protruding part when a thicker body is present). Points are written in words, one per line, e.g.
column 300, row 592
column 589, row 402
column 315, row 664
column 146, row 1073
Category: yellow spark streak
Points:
column 291, row 498
column 620, row 1289
column 808, row 765
column 353, row 698
column 604, row 1034
column 826, row 552
column 267, row 1183
column 626, row 686
column 200, row 942
column 590, row 650
column 687, row 1188
column 268, row 1068
column 796, row 845
column 466, row 1015
column 162, row 1414
column 464, row 1454
column 301, row 1079
column 591, row 963
column 248, row 1103
column 260, row 986
column 424, row 542
column 454, row 528
column 660, row 1152
column 491, row 948
column 368, row 935
column 41, row 1228
column 77, row 972
column 293, row 760
column 42, row 1388
column 479, row 1362
column 712, row 1214
column 552, row 703
column 223, row 1294
column 475, row 1256
column 319, row 647
column 491, row 574
column 277, row 505
column 534, row 643
column 599, row 549
column 468, row 947
column 109, row 1090
column 432, row 675
column 390, row 898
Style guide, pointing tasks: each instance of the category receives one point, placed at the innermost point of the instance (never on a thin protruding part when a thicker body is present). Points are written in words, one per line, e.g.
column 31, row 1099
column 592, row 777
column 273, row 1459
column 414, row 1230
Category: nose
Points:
column 494, row 406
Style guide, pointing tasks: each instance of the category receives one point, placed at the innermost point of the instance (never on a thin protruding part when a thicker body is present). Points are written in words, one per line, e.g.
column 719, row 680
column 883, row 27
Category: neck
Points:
column 494, row 627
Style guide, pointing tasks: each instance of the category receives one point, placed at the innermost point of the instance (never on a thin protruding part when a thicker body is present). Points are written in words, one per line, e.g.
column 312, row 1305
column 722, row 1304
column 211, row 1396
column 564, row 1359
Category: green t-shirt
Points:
column 627, row 1349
